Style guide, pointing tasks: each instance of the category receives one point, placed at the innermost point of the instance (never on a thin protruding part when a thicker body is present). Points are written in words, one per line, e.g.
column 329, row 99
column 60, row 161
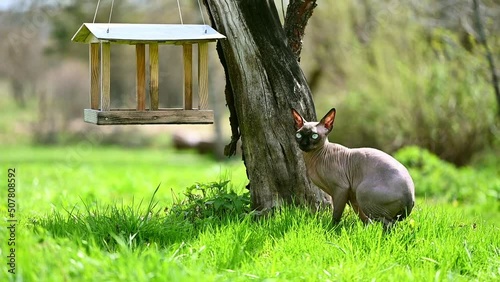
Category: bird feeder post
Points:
column 140, row 50
column 105, row 76
column 154, row 74
column 94, row 76
column 203, row 75
column 188, row 76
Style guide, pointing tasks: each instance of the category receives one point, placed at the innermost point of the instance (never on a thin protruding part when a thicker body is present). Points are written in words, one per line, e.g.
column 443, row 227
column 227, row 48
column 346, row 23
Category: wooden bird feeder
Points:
column 100, row 36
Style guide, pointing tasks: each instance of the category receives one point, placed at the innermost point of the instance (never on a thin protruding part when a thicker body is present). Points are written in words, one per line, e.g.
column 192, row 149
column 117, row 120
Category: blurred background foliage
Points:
column 405, row 73
column 400, row 73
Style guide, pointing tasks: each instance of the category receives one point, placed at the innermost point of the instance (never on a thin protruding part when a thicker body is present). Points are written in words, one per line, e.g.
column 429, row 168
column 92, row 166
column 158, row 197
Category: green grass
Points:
column 94, row 218
column 49, row 177
column 292, row 245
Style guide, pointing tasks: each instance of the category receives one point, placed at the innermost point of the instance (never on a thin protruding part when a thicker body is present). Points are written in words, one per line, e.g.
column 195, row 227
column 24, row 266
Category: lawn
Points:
column 92, row 214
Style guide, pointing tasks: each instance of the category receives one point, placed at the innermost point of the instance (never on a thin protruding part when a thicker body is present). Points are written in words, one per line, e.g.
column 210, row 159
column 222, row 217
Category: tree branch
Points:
column 297, row 15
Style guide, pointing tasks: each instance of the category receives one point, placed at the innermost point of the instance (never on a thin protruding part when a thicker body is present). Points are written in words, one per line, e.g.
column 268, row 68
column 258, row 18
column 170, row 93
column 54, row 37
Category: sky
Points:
column 4, row 4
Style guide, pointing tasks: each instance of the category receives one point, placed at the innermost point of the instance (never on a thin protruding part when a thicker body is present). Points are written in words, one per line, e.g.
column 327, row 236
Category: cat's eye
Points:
column 314, row 136
column 298, row 135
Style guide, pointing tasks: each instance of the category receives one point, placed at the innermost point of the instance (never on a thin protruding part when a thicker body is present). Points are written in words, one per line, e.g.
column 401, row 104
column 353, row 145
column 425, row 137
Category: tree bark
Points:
column 264, row 81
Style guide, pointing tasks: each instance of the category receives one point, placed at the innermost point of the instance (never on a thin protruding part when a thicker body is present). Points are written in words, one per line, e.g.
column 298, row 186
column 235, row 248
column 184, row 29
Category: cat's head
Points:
column 312, row 135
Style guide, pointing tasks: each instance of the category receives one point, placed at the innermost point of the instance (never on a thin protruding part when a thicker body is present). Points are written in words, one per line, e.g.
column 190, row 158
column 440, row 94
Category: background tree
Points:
column 20, row 52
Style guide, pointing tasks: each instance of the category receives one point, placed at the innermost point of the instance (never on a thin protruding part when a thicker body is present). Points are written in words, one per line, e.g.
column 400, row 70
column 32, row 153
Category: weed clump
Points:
column 211, row 201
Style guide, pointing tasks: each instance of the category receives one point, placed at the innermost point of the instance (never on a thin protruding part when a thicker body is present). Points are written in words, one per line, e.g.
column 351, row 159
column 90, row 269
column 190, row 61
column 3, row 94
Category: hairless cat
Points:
column 373, row 183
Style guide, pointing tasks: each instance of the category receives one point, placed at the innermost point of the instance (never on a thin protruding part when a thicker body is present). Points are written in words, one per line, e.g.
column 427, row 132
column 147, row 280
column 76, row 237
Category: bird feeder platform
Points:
column 100, row 36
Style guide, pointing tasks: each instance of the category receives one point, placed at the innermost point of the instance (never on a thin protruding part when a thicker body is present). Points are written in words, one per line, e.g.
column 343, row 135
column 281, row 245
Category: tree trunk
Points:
column 17, row 86
column 264, row 81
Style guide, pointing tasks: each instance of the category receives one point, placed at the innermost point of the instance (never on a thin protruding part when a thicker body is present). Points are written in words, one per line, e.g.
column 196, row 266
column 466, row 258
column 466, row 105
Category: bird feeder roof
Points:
column 145, row 33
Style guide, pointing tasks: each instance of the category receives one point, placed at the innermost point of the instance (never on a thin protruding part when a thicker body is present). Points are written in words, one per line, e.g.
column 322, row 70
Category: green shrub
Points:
column 440, row 106
column 434, row 177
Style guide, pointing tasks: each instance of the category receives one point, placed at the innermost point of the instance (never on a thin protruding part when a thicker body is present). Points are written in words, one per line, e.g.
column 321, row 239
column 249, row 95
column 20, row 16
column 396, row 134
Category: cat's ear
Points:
column 299, row 120
column 327, row 120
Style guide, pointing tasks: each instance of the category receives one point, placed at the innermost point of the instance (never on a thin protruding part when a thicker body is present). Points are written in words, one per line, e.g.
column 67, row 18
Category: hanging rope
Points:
column 178, row 6
column 201, row 12
column 96, row 9
column 180, row 13
column 110, row 13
